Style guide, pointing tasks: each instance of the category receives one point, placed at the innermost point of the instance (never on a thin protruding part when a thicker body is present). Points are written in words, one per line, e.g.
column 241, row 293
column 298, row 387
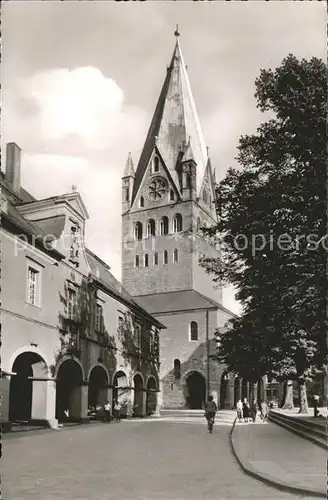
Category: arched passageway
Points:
column 24, row 391
column 236, row 392
column 68, row 395
column 224, row 390
column 138, row 395
column 244, row 390
column 196, row 391
column 120, row 387
column 98, row 380
column 151, row 402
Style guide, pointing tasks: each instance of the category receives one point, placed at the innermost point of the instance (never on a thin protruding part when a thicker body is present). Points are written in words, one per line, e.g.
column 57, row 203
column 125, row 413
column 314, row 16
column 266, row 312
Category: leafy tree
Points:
column 272, row 228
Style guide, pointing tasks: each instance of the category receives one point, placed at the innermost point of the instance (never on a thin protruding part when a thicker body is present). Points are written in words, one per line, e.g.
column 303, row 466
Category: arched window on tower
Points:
column 150, row 228
column 141, row 202
column 171, row 195
column 126, row 194
column 138, row 231
column 164, row 225
column 156, row 164
column 177, row 223
column 193, row 331
column 175, row 255
column 177, row 369
column 146, row 260
column 136, row 261
column 155, row 259
column 165, row 257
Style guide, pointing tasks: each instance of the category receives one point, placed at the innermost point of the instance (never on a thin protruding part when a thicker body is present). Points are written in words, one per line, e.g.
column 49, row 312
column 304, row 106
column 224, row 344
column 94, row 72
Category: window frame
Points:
column 190, row 331
column 177, row 369
column 38, row 269
column 37, row 284
column 151, row 228
column 164, row 223
column 100, row 330
column 71, row 288
column 155, row 165
column 165, row 257
column 137, row 231
column 177, row 225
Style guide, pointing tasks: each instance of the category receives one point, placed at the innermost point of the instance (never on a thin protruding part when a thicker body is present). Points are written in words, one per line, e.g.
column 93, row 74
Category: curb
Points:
column 264, row 478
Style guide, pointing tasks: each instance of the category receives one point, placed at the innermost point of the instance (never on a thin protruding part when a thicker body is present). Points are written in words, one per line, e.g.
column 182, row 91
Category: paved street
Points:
column 147, row 460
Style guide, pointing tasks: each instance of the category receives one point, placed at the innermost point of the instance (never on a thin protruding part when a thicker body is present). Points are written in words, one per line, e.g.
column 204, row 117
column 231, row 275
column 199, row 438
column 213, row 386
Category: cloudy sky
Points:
column 80, row 82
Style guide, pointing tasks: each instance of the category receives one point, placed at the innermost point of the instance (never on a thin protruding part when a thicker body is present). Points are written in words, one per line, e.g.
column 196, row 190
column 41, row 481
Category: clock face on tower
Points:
column 157, row 188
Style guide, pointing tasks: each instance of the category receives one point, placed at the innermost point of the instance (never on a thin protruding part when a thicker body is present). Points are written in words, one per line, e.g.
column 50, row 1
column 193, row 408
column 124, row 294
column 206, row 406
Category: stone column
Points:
column 79, row 403
column 248, row 391
column 44, row 401
column 5, row 395
column 144, row 403
column 158, row 408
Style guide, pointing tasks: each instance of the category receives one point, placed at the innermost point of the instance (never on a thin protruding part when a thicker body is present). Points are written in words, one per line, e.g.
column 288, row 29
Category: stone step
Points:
column 182, row 413
column 308, row 429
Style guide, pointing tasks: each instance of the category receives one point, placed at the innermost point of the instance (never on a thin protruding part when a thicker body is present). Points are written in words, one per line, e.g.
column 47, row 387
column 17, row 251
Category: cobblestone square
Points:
column 151, row 460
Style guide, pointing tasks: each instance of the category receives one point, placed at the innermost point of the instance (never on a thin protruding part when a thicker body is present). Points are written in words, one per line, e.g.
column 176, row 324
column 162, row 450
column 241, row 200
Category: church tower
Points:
column 165, row 202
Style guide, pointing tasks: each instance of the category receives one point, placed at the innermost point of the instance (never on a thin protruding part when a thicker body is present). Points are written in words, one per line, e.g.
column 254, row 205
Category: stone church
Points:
column 165, row 201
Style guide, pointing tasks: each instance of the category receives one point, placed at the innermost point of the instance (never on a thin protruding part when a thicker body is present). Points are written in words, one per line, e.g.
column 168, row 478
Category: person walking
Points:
column 239, row 408
column 245, row 411
column 264, row 411
column 117, row 409
column 107, row 412
column 254, row 410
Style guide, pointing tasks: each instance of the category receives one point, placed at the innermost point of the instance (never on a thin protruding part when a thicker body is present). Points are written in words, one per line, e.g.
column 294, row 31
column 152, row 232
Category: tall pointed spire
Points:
column 174, row 120
column 129, row 168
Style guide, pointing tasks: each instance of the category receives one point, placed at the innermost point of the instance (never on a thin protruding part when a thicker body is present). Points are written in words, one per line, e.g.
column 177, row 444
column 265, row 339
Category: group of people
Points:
column 108, row 412
column 247, row 412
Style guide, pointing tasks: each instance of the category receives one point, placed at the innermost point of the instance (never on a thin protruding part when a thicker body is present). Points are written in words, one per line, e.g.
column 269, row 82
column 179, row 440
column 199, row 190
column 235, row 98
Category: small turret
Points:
column 189, row 172
column 127, row 184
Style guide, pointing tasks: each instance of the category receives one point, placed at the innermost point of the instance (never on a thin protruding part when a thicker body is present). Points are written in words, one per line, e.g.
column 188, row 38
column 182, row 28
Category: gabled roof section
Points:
column 174, row 121
column 18, row 224
column 181, row 301
column 73, row 199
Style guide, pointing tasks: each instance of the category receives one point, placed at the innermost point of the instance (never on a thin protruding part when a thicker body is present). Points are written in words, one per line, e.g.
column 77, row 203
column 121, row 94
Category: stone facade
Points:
column 71, row 337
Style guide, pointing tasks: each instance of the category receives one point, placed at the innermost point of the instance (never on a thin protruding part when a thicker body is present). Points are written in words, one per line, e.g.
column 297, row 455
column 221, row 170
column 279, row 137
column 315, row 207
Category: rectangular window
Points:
column 120, row 325
column 33, row 286
column 99, row 318
column 71, row 303
column 138, row 336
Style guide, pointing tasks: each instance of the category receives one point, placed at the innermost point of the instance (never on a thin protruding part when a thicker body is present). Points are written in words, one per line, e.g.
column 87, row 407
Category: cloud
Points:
column 81, row 102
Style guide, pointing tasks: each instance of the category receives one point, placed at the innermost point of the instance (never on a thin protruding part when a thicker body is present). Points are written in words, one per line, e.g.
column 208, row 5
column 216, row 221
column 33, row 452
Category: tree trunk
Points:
column 288, row 400
column 304, row 408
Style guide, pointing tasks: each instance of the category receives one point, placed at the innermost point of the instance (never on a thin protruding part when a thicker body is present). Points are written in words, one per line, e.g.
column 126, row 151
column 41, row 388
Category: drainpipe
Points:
column 207, row 357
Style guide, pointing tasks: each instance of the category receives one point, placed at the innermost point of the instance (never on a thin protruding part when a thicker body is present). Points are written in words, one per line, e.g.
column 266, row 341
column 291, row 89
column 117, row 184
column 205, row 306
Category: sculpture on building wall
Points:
column 75, row 242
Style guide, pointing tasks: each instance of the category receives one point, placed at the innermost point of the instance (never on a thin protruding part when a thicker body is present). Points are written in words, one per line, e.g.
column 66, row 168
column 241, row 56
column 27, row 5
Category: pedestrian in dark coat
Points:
column 245, row 410
column 254, row 410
